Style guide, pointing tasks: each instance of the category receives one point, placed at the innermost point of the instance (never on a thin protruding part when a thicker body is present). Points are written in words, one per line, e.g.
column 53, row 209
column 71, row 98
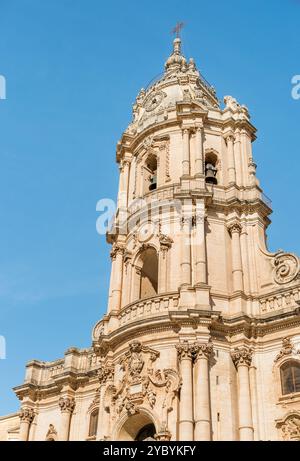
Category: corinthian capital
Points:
column 242, row 356
column 184, row 350
column 27, row 414
column 116, row 249
column 202, row 350
column 235, row 228
column 66, row 404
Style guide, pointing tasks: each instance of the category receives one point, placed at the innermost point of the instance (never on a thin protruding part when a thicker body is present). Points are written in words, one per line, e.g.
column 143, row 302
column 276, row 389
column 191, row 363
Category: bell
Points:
column 153, row 183
column 210, row 173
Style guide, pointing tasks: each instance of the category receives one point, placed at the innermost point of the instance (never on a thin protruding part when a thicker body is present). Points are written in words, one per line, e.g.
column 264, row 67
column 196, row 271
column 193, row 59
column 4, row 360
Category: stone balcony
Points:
column 149, row 307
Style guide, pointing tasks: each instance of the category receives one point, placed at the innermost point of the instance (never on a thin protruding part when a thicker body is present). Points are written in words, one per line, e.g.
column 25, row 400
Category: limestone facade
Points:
column 201, row 337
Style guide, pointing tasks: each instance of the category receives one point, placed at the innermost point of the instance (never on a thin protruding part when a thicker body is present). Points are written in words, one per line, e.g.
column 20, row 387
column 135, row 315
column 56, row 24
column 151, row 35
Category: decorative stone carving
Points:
column 66, row 404
column 202, row 350
column 105, row 373
column 286, row 350
column 290, row 427
column 27, row 414
column 165, row 243
column 231, row 103
column 242, row 356
column 142, row 385
column 154, row 100
column 52, row 433
column 189, row 220
column 116, row 249
column 286, row 267
column 146, row 232
column 235, row 227
column 185, row 350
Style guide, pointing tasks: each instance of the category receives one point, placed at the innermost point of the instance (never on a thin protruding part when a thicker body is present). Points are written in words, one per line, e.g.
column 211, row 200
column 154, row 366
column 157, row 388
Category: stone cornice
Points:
column 227, row 327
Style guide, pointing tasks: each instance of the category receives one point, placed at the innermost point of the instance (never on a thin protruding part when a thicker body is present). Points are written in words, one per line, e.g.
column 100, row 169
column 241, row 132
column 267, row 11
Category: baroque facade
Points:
column 201, row 337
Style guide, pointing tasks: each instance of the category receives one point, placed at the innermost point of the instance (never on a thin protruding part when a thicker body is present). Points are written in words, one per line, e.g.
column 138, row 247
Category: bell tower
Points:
column 189, row 203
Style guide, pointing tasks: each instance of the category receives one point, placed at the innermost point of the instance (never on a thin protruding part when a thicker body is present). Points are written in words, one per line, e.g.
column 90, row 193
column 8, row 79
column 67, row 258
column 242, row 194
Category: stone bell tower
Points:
column 189, row 204
column 201, row 338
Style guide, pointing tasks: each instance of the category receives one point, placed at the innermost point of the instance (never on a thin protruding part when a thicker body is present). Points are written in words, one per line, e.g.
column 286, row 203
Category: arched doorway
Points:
column 136, row 428
column 146, row 433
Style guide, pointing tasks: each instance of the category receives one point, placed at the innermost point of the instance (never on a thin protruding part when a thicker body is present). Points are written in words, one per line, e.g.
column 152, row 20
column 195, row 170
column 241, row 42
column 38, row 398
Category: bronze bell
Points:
column 210, row 173
column 153, row 182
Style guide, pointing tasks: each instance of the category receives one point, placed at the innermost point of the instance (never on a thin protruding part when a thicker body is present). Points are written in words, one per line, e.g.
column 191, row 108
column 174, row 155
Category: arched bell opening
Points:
column 149, row 273
column 138, row 427
column 150, row 173
column 145, row 281
column 211, row 170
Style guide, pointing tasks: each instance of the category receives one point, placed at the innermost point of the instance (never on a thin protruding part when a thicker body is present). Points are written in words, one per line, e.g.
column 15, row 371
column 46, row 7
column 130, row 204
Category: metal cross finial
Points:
column 177, row 29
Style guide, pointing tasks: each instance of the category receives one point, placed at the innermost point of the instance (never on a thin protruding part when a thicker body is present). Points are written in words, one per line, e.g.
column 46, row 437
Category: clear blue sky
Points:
column 73, row 69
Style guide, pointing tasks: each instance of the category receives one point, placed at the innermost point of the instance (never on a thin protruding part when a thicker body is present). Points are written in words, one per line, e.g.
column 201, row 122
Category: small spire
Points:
column 176, row 60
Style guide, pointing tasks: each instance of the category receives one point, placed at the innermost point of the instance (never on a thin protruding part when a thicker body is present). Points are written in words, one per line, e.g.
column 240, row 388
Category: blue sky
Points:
column 73, row 69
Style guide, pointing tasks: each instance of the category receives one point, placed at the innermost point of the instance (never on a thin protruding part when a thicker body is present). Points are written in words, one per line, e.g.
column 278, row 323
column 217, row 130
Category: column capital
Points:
column 234, row 227
column 117, row 249
column 202, row 350
column 27, row 414
column 184, row 350
column 66, row 404
column 242, row 356
column 187, row 219
column 229, row 136
column 199, row 126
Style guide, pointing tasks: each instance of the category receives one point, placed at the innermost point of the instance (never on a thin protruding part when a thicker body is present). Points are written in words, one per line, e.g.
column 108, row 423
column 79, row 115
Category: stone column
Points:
column 202, row 353
column 237, row 268
column 165, row 244
column 186, row 428
column 67, row 405
column 99, row 435
column 199, row 151
column 230, row 159
column 242, row 360
column 124, row 180
column 106, row 377
column 186, row 152
column 186, row 225
column 238, row 159
column 117, row 262
column 200, row 248
column 26, row 418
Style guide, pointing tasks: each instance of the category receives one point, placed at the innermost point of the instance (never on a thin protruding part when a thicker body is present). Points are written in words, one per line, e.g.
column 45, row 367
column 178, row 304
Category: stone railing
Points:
column 221, row 194
column 280, row 300
column 148, row 307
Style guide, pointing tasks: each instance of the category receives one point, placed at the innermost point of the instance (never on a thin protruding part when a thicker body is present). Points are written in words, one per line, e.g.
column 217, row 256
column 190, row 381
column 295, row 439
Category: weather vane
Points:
column 177, row 29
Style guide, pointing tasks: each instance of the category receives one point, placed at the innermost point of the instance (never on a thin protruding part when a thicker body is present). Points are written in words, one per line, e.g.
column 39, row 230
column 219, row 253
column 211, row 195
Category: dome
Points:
column 181, row 81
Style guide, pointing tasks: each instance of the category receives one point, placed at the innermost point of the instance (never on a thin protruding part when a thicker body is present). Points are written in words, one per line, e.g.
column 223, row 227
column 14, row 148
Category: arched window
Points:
column 93, row 423
column 290, row 377
column 149, row 273
column 211, row 170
